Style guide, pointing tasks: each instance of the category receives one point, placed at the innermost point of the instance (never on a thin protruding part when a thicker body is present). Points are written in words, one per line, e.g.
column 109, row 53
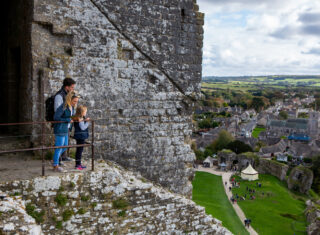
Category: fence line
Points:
column 42, row 148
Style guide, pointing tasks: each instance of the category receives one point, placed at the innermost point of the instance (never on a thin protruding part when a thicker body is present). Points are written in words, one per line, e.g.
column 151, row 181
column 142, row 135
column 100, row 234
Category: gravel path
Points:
column 225, row 178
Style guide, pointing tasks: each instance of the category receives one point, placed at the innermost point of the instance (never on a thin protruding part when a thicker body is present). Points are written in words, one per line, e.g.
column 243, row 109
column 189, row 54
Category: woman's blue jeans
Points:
column 60, row 140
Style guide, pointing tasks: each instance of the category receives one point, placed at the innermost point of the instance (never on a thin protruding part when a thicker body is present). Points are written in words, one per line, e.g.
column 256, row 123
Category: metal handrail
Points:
column 42, row 148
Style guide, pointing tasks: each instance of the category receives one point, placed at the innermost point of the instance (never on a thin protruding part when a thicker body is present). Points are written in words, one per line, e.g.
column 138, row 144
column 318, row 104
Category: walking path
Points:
column 225, row 178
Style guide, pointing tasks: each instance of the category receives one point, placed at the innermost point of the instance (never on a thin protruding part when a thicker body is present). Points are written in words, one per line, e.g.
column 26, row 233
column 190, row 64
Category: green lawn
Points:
column 256, row 131
column 279, row 213
column 208, row 192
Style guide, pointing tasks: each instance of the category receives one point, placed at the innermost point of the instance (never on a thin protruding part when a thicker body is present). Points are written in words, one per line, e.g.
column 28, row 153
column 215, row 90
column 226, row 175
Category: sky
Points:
column 261, row 37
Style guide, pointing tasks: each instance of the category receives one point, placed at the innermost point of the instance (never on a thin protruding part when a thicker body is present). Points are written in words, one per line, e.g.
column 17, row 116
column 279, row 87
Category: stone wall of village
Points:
column 300, row 177
column 274, row 168
column 137, row 65
column 109, row 200
column 263, row 166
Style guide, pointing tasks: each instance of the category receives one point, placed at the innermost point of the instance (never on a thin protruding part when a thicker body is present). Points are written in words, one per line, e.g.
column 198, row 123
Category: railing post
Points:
column 42, row 151
column 92, row 146
column 68, row 149
column 43, row 118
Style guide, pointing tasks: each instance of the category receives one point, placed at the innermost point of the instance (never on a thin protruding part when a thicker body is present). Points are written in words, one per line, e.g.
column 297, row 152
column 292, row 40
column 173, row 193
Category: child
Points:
column 81, row 132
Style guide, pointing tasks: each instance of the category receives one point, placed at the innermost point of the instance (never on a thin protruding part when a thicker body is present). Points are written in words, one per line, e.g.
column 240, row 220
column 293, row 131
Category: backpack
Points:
column 50, row 108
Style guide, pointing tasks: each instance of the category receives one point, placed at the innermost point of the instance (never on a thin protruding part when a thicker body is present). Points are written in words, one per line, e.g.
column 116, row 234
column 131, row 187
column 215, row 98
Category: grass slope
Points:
column 256, row 131
column 279, row 213
column 208, row 192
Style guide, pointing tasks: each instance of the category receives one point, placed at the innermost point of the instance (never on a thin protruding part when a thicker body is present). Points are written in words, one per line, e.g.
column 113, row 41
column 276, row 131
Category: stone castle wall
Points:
column 137, row 65
column 109, row 200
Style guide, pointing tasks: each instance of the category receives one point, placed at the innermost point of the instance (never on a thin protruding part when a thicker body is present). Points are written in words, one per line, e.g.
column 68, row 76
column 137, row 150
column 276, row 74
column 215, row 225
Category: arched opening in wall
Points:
column 14, row 63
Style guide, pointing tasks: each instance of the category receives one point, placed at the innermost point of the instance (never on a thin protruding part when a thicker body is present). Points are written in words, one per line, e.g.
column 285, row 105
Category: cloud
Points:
column 253, row 38
column 310, row 17
column 284, row 32
column 314, row 51
column 311, row 29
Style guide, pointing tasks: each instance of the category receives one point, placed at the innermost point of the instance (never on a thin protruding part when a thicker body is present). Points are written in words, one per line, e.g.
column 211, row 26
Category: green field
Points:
column 256, row 131
column 280, row 212
column 258, row 83
column 208, row 192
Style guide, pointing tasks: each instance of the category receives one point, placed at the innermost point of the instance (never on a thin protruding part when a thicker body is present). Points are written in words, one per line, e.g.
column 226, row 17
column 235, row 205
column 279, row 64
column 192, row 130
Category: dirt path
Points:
column 225, row 178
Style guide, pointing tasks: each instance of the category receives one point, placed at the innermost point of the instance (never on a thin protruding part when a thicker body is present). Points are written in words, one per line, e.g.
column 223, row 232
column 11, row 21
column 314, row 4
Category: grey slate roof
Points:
column 290, row 123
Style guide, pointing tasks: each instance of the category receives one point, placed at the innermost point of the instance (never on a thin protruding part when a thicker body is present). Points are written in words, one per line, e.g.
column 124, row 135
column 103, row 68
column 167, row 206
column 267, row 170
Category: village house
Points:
column 296, row 126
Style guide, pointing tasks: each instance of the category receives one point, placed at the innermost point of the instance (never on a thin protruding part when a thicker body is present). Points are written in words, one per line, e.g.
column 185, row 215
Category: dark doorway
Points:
column 13, row 47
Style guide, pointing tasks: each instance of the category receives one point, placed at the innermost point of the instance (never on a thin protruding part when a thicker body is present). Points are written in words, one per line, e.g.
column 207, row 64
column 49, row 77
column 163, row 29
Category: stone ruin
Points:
column 137, row 65
column 109, row 200
column 300, row 179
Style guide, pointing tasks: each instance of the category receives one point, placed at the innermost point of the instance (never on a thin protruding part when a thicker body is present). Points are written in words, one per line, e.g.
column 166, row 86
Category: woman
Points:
column 61, row 130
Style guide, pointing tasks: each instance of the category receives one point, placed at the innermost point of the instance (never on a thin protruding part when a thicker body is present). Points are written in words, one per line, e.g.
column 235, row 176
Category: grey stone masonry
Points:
column 137, row 64
column 109, row 200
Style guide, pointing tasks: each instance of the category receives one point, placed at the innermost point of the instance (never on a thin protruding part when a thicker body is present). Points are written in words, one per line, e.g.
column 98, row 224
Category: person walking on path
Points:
column 81, row 133
column 61, row 130
column 59, row 100
column 225, row 177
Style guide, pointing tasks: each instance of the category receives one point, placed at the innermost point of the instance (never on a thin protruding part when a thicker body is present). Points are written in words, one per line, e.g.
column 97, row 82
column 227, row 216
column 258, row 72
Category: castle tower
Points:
column 313, row 124
column 137, row 64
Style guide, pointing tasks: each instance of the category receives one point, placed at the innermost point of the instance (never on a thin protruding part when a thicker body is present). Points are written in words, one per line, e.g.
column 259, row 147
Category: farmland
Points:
column 258, row 83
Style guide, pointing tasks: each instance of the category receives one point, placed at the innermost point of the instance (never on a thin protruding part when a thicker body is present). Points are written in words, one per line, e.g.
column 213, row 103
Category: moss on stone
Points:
column 226, row 151
column 93, row 205
column 252, row 156
column 66, row 215
column 61, row 199
column 81, row 211
column 120, row 203
column 59, row 225
column 85, row 198
column 31, row 210
column 122, row 213
column 72, row 185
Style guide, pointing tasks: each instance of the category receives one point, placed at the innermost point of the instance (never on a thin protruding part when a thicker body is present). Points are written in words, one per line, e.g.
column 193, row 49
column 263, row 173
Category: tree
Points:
column 222, row 141
column 303, row 115
column 199, row 155
column 207, row 152
column 204, row 123
column 283, row 115
column 238, row 146
column 316, row 104
column 257, row 103
column 316, row 172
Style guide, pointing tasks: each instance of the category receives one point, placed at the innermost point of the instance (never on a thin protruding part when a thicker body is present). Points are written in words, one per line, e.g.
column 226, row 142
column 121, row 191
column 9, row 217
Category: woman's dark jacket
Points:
column 62, row 114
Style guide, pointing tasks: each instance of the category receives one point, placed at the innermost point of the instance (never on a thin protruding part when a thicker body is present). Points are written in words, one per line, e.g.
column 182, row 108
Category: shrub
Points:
column 199, row 155
column 238, row 146
column 307, row 160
